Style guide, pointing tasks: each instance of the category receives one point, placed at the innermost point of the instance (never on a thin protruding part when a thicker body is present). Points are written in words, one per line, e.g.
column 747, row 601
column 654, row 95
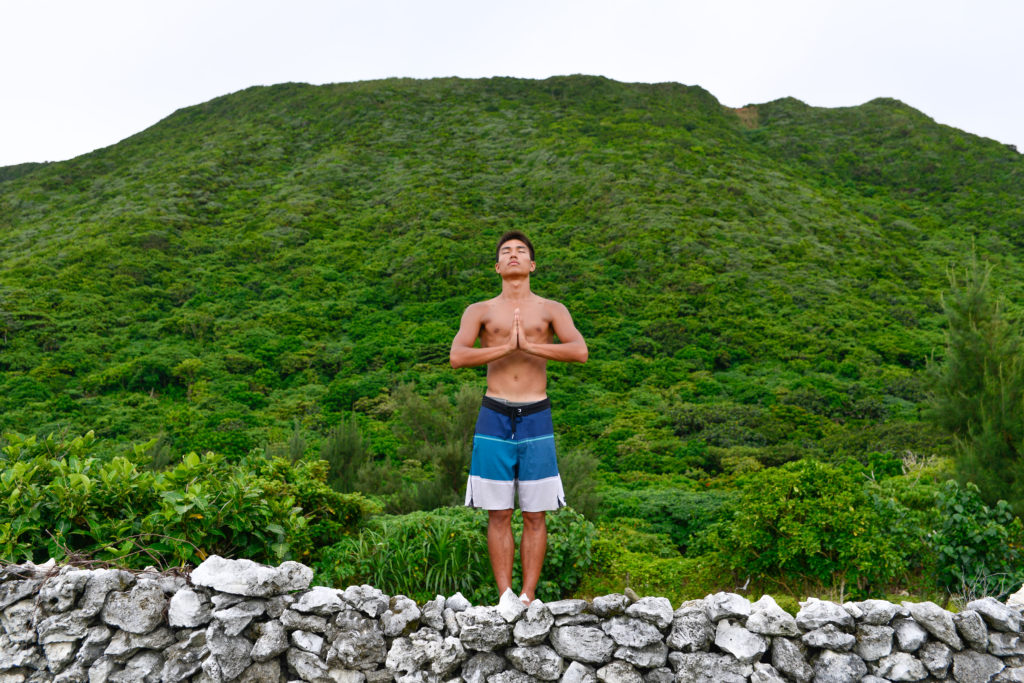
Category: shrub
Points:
column 676, row 513
column 621, row 562
column 114, row 509
column 811, row 522
column 979, row 547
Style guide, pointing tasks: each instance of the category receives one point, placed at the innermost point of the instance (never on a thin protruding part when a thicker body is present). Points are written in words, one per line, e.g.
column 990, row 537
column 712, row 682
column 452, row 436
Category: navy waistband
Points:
column 516, row 411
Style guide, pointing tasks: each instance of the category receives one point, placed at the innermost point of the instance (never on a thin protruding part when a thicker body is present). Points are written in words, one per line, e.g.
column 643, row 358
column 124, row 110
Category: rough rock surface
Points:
column 657, row 611
column 69, row 625
column 816, row 613
column 745, row 646
column 726, row 606
column 483, row 628
column 245, row 577
column 937, row 621
column 691, row 628
column 533, row 628
column 767, row 618
column 631, row 632
column 584, row 644
column 139, row 610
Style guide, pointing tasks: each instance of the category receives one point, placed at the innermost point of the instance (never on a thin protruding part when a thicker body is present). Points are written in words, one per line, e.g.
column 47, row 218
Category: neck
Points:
column 515, row 289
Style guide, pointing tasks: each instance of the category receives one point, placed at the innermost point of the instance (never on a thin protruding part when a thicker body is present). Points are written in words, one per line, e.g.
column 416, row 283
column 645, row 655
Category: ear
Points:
column 497, row 267
column 533, row 266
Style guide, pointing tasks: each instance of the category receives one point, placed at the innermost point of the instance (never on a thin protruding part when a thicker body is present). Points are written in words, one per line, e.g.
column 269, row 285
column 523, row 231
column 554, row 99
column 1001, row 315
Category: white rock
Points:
column 457, row 603
column 936, row 621
column 584, row 644
column 910, row 635
column 139, row 610
column 403, row 616
column 539, row 661
column 745, row 646
column 691, row 629
column 901, row 667
column 189, row 609
column 578, row 673
column 657, row 611
column 483, row 628
column 817, row 613
column 609, row 605
column 630, row 632
column 726, row 606
column 245, row 577
column 618, row 672
column 320, row 600
column 310, row 642
column 767, row 618
column 996, row 614
column 835, row 667
column 510, row 607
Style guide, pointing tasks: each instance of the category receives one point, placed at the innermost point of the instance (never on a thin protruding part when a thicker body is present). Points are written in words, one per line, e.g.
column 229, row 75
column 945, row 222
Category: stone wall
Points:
column 239, row 621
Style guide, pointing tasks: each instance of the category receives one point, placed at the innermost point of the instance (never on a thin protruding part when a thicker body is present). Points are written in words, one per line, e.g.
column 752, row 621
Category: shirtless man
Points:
column 514, row 446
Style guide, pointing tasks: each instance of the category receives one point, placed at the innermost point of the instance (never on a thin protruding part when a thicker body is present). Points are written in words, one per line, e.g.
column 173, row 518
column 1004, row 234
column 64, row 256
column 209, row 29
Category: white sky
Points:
column 76, row 75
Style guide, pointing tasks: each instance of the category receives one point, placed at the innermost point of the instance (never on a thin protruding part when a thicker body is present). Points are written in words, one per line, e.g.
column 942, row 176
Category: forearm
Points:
column 471, row 356
column 572, row 352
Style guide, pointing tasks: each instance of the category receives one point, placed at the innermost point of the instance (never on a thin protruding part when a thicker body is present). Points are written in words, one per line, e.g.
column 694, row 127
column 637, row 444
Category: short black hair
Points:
column 514, row 235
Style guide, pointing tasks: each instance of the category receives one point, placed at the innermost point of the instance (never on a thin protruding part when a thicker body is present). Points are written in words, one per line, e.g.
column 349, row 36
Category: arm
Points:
column 464, row 354
column 572, row 348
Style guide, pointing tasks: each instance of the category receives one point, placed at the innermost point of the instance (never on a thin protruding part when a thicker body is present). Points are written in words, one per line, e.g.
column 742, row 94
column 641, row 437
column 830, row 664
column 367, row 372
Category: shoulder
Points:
column 553, row 306
column 478, row 308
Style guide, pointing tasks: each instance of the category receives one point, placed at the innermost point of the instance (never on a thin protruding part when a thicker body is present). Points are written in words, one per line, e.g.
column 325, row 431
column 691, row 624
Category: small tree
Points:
column 436, row 431
column 346, row 453
column 978, row 391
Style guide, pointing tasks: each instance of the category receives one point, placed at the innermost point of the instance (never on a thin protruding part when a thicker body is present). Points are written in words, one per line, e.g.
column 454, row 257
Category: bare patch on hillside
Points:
column 747, row 116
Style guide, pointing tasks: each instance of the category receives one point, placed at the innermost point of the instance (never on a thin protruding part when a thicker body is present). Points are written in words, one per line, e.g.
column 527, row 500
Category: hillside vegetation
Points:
column 281, row 270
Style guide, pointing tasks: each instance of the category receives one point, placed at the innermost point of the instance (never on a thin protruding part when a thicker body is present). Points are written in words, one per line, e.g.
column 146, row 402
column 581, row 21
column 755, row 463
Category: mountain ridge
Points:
column 312, row 246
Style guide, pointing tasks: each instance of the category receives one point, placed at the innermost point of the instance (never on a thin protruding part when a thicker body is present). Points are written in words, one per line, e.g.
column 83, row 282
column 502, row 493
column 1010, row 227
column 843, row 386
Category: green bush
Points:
column 439, row 552
column 980, row 548
column 620, row 561
column 812, row 523
column 679, row 514
column 114, row 509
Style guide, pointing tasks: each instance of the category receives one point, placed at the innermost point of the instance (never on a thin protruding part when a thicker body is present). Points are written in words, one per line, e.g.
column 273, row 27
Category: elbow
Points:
column 584, row 354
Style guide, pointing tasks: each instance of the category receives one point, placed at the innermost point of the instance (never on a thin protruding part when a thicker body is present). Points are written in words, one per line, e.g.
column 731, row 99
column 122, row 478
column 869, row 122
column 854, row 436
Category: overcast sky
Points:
column 78, row 75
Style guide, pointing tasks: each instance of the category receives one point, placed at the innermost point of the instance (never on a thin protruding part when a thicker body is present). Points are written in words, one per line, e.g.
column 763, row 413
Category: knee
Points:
column 534, row 521
column 499, row 517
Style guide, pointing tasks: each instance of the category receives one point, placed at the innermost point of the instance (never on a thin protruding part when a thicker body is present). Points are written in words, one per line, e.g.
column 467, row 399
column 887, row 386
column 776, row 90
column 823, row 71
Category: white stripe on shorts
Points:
column 534, row 496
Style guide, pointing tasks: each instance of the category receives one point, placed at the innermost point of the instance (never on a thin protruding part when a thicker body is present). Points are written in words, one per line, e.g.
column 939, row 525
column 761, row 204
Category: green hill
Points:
column 755, row 285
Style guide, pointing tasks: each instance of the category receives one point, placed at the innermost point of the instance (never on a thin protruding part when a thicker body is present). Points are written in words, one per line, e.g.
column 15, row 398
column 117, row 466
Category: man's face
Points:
column 514, row 258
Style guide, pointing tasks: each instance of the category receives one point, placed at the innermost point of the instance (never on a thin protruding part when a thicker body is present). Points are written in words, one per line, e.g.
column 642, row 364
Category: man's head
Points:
column 514, row 235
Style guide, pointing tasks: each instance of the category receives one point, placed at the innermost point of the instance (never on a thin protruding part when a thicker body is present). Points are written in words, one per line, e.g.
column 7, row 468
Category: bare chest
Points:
column 535, row 321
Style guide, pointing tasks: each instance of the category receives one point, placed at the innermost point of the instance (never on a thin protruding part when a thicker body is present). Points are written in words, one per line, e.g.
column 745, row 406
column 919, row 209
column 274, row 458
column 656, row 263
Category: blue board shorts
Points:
column 514, row 449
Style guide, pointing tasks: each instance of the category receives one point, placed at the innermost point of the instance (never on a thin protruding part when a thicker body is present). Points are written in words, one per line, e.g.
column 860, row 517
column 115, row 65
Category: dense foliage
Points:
column 276, row 275
column 59, row 501
column 979, row 548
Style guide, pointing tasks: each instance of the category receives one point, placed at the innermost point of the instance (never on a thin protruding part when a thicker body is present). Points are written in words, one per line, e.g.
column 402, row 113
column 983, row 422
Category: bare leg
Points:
column 501, row 546
column 532, row 548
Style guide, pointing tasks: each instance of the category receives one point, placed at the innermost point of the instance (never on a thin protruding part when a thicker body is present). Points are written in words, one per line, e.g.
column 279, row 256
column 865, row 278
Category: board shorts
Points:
column 514, row 450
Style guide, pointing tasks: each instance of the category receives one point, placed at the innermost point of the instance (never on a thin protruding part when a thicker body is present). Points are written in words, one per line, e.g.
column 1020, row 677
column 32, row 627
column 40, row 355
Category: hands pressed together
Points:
column 517, row 340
